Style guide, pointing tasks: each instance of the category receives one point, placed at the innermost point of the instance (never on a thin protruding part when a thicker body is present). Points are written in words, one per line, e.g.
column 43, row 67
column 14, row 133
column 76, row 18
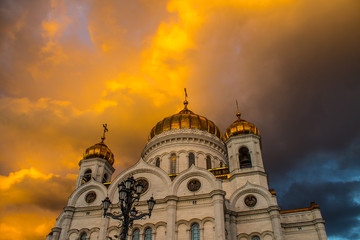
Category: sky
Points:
column 67, row 67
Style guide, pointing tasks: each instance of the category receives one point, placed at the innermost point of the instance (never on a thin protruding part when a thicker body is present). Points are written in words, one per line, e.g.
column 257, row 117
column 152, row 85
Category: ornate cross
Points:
column 238, row 114
column 105, row 130
column 185, row 102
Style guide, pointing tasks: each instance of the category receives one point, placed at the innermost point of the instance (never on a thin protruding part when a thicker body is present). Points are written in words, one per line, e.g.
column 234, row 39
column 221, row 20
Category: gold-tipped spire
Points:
column 240, row 126
column 185, row 101
column 105, row 130
column 238, row 114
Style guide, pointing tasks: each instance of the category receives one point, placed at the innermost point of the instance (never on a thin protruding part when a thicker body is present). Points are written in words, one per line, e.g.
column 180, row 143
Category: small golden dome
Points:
column 240, row 127
column 100, row 150
column 185, row 119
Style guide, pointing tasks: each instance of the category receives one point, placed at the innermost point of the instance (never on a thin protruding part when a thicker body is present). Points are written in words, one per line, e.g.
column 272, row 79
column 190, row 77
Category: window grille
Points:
column 195, row 232
column 191, row 159
column 148, row 234
column 136, row 234
column 173, row 164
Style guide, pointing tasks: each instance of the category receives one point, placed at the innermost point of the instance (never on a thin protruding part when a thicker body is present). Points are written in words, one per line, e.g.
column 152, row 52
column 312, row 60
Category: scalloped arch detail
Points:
column 250, row 188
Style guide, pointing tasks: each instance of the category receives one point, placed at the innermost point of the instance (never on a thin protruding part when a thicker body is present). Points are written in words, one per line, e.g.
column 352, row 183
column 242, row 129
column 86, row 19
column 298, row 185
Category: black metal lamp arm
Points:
column 141, row 216
column 115, row 216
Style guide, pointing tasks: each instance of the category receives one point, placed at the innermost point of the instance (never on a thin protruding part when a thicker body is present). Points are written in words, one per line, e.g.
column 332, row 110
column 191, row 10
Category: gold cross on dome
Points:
column 105, row 130
column 238, row 114
column 185, row 102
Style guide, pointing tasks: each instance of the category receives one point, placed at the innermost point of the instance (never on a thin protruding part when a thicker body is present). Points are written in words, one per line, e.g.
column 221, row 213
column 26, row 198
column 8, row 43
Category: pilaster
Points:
column 218, row 203
column 104, row 227
column 55, row 233
column 320, row 229
column 276, row 222
column 171, row 217
column 69, row 212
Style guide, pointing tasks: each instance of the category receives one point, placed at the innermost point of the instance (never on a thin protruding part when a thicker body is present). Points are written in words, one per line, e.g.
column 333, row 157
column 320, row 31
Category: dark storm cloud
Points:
column 312, row 104
column 31, row 188
column 339, row 203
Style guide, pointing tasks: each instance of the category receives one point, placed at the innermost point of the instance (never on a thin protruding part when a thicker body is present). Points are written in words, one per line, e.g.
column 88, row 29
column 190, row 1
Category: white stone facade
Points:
column 218, row 207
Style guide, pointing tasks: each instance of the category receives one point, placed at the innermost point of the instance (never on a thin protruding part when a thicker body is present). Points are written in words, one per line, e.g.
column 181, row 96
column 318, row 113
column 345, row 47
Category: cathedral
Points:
column 207, row 186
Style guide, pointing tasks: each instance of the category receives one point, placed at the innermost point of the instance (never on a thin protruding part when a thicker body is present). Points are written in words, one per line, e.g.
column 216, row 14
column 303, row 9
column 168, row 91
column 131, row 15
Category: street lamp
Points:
column 129, row 192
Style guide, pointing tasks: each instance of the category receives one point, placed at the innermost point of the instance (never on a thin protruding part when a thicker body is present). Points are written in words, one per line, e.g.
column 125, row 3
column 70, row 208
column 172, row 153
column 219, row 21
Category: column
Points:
column 233, row 232
column 320, row 229
column 55, row 233
column 227, row 226
column 218, row 203
column 69, row 212
column 202, row 237
column 276, row 222
column 104, row 227
column 171, row 217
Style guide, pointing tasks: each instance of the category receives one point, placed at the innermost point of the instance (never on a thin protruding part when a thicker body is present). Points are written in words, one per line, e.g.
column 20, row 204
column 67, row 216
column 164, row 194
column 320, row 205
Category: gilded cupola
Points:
column 185, row 119
column 240, row 127
column 100, row 150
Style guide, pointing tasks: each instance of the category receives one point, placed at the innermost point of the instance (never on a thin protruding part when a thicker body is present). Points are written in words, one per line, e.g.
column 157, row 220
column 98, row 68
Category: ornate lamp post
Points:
column 129, row 192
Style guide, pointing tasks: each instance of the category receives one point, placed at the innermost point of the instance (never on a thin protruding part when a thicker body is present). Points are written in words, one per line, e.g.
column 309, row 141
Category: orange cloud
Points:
column 30, row 201
column 16, row 177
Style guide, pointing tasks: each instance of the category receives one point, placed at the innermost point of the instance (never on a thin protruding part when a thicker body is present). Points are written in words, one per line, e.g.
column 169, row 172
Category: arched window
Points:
column 255, row 238
column 136, row 234
column 148, row 234
column 173, row 163
column 105, row 178
column 221, row 164
column 208, row 162
column 244, row 158
column 157, row 163
column 191, row 159
column 83, row 236
column 87, row 176
column 195, row 232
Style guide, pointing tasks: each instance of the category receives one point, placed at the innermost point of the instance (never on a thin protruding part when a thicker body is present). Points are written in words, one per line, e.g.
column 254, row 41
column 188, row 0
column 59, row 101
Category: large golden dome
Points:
column 185, row 119
column 241, row 127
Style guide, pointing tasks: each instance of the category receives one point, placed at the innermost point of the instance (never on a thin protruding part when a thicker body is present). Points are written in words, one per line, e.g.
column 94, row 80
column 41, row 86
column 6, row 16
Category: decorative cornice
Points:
column 242, row 136
column 312, row 206
column 185, row 136
column 56, row 229
column 303, row 223
column 89, row 160
column 252, row 211
column 217, row 192
column 273, row 208
column 247, row 173
column 69, row 209
column 171, row 198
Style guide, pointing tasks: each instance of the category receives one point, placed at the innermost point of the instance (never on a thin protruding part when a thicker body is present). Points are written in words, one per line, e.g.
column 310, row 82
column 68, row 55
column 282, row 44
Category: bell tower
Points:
column 97, row 163
column 243, row 144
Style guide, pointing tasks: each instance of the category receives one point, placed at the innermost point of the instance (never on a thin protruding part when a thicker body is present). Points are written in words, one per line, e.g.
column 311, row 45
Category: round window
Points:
column 144, row 183
column 194, row 185
column 90, row 197
column 250, row 201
